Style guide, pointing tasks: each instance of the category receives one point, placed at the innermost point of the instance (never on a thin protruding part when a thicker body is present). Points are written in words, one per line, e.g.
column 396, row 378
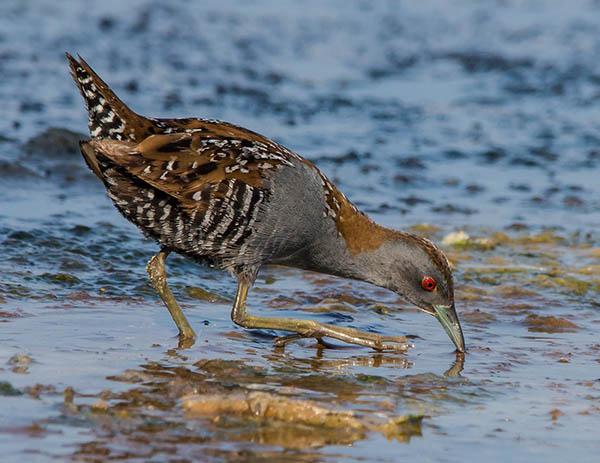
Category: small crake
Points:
column 224, row 195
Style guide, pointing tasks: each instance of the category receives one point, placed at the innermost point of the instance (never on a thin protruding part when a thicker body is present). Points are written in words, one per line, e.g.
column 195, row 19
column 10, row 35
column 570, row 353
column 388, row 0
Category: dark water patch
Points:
column 15, row 172
column 414, row 200
column 482, row 61
column 54, row 143
column 453, row 209
column 348, row 157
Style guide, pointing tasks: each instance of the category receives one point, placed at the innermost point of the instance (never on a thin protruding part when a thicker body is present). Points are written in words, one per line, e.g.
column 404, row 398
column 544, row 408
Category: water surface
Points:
column 481, row 118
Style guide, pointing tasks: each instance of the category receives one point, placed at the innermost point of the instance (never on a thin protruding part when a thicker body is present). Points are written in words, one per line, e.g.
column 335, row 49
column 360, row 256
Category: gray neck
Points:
column 294, row 232
column 329, row 254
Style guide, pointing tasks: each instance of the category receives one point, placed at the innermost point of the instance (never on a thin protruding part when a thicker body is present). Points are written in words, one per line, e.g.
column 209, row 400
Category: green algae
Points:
column 17, row 291
column 549, row 324
column 462, row 241
column 371, row 379
column 203, row 295
column 493, row 275
column 567, row 283
column 8, row 390
column 62, row 278
column 425, row 229
column 380, row 309
column 269, row 280
column 514, row 291
column 478, row 317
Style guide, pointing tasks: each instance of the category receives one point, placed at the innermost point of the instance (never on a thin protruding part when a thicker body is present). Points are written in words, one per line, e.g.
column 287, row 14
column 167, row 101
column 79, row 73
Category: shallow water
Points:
column 482, row 118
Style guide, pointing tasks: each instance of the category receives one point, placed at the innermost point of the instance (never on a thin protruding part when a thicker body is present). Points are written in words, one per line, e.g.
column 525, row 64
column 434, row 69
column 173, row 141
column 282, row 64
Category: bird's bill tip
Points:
column 446, row 315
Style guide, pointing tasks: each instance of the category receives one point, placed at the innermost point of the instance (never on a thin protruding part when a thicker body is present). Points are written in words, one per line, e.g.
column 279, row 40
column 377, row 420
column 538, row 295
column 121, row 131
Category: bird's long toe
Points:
column 396, row 346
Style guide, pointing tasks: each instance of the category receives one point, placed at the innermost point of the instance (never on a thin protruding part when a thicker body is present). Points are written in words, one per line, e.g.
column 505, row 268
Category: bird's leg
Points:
column 158, row 277
column 309, row 328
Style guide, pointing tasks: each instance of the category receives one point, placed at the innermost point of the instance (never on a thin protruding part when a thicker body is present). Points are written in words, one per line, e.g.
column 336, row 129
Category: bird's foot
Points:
column 185, row 342
column 377, row 342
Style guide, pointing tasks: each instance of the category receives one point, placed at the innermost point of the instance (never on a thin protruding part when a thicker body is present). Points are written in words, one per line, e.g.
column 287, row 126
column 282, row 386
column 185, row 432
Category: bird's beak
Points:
column 446, row 315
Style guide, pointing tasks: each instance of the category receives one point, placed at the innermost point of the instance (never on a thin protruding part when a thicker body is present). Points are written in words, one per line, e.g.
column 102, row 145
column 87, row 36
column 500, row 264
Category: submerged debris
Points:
column 271, row 407
column 20, row 363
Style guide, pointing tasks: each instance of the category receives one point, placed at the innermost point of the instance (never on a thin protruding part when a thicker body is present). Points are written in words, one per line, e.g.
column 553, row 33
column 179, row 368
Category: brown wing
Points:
column 190, row 166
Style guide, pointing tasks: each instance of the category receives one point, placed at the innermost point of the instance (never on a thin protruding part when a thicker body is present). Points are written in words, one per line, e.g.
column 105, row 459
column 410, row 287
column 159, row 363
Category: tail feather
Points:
column 108, row 116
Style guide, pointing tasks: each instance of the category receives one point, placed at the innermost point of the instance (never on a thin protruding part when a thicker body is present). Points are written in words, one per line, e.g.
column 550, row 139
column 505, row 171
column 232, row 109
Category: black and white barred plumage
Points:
column 106, row 112
column 196, row 186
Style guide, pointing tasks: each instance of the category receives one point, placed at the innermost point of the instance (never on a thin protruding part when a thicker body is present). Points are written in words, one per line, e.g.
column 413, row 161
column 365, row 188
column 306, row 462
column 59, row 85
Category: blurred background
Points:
column 474, row 123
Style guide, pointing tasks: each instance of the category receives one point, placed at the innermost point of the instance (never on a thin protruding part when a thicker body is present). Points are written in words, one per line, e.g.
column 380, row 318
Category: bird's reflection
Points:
column 321, row 361
column 457, row 366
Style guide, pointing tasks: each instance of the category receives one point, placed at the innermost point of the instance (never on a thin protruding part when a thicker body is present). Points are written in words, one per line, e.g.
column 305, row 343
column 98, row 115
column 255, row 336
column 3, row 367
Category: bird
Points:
column 233, row 199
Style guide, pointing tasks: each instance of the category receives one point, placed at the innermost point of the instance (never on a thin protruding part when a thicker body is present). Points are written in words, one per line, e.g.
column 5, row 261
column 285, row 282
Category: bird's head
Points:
column 418, row 271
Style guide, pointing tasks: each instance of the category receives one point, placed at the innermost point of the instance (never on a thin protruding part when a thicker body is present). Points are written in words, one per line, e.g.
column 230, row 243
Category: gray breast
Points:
column 293, row 228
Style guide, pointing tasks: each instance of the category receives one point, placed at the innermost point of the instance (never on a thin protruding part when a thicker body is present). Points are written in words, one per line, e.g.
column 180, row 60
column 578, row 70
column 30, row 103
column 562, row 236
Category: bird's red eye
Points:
column 428, row 283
